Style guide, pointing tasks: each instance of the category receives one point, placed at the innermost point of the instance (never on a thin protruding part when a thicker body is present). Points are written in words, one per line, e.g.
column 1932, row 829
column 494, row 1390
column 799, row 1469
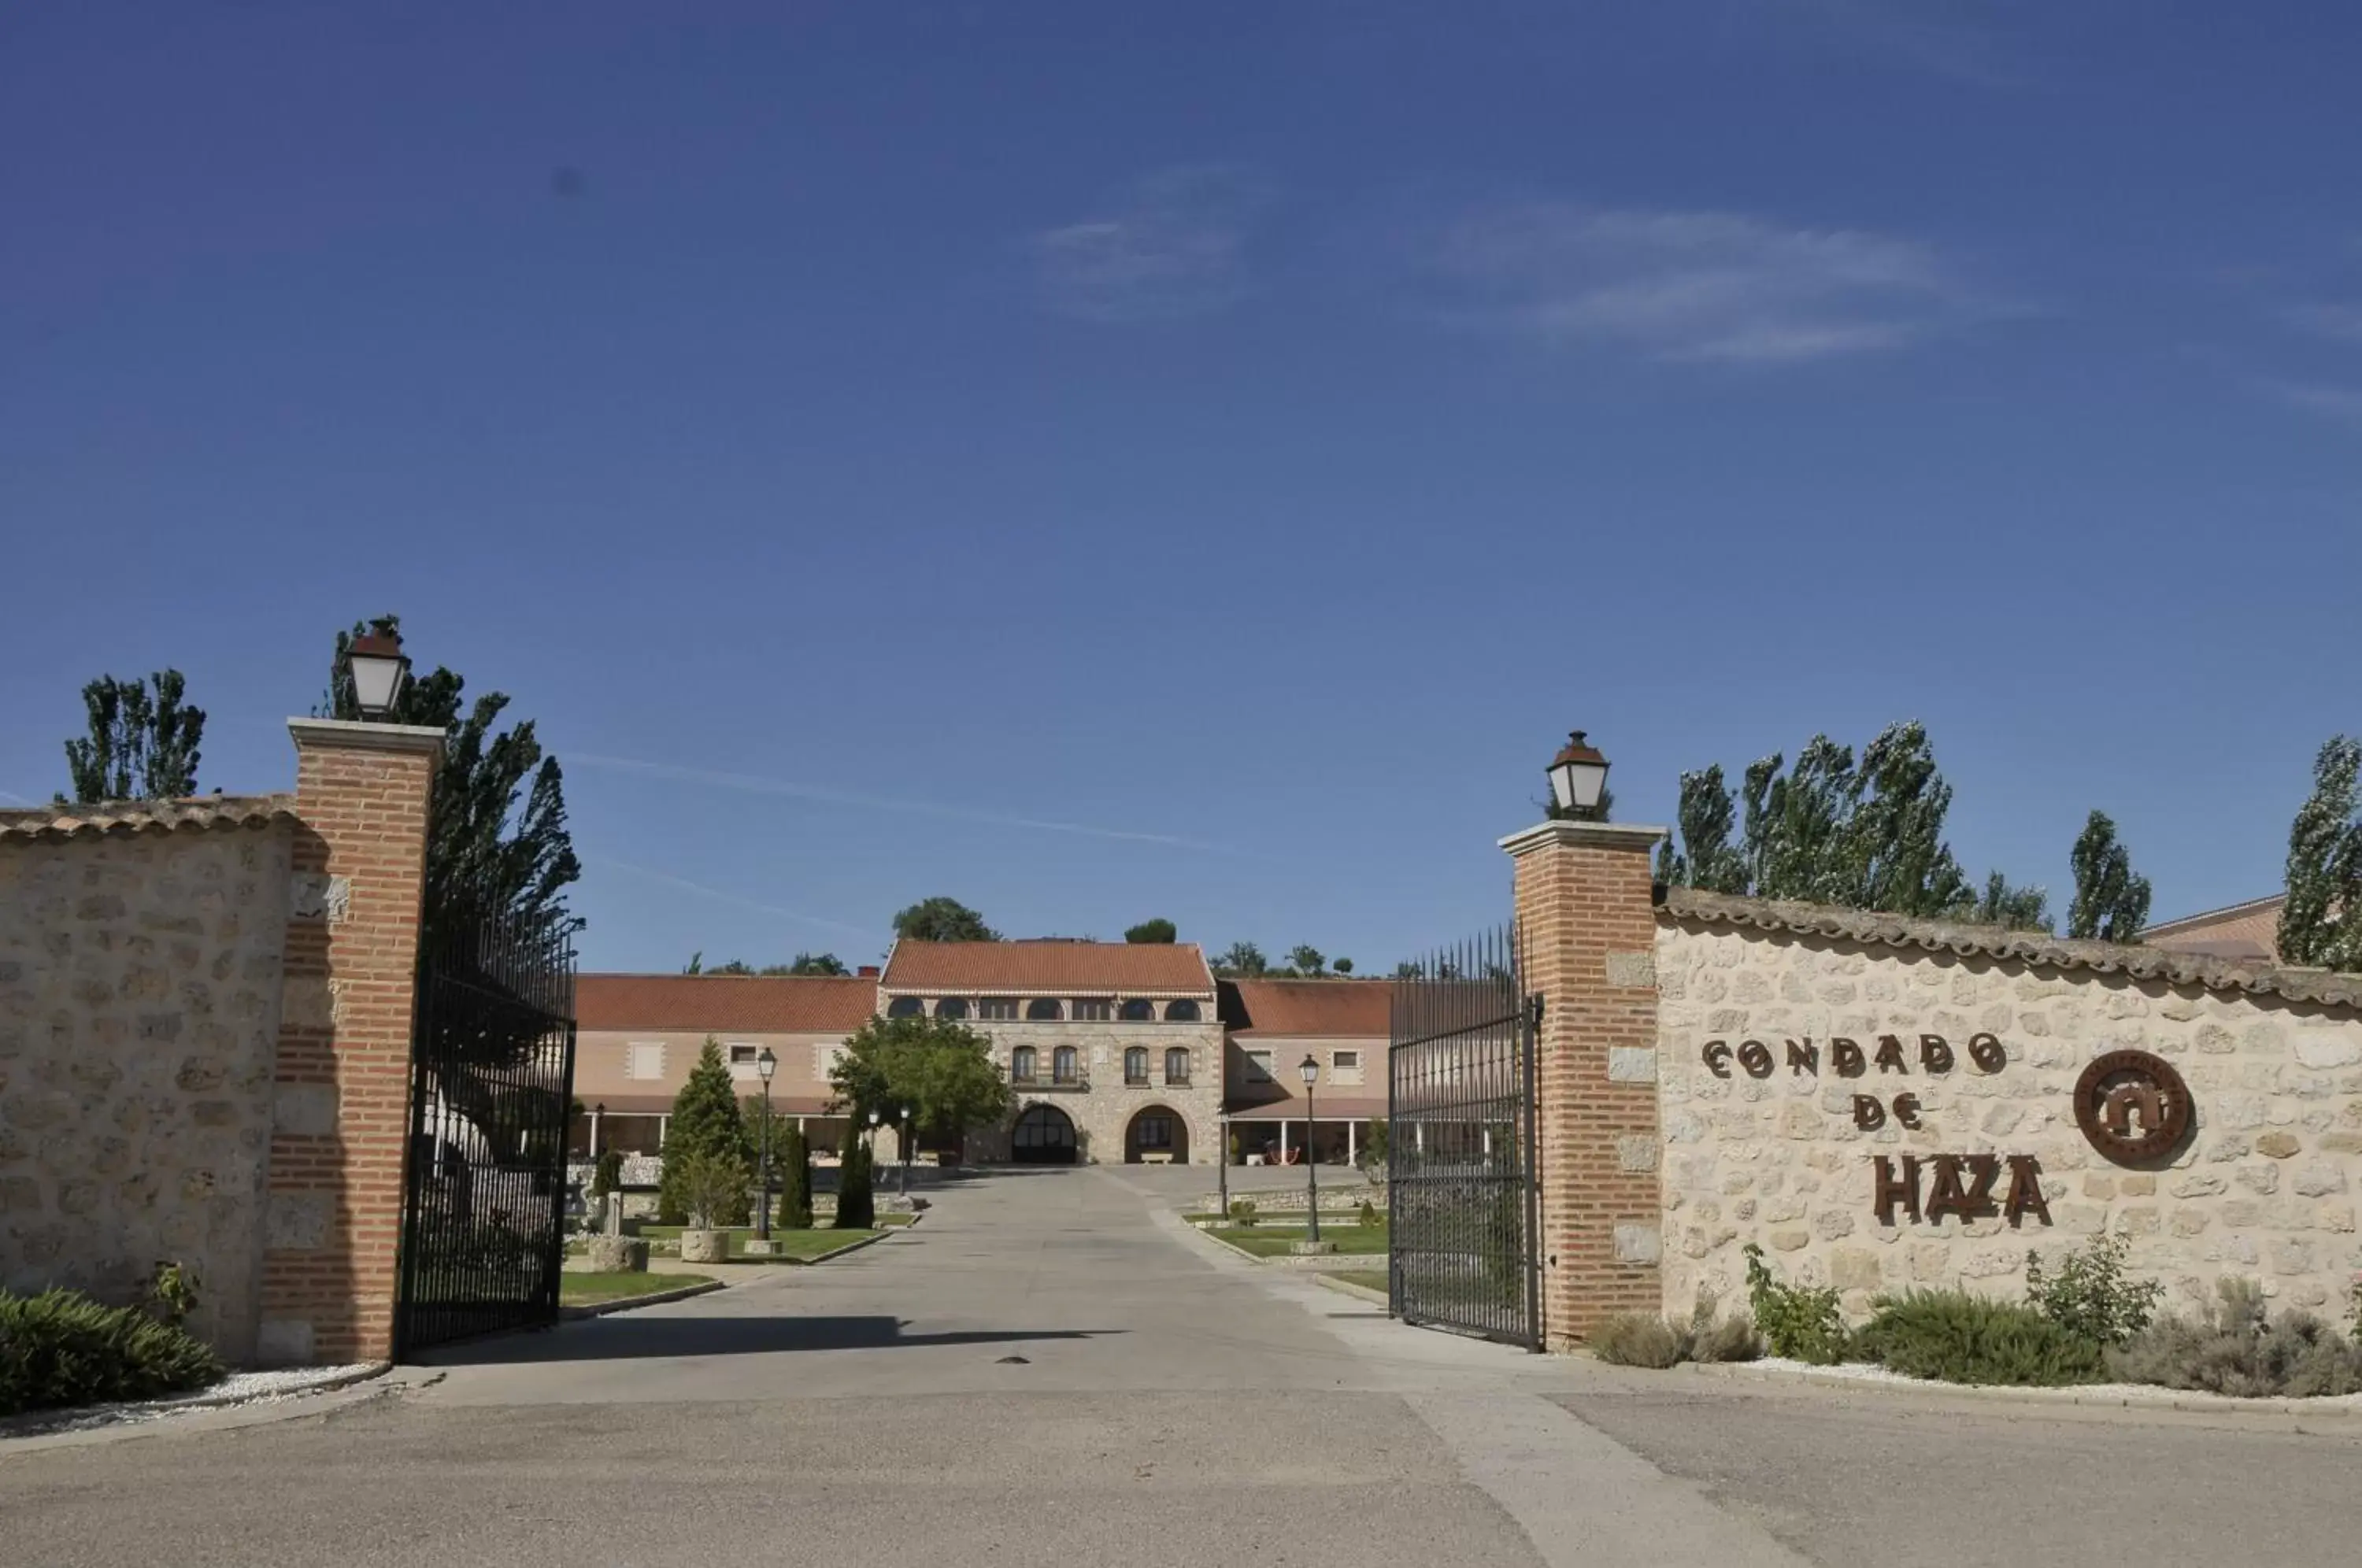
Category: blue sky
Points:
column 1101, row 461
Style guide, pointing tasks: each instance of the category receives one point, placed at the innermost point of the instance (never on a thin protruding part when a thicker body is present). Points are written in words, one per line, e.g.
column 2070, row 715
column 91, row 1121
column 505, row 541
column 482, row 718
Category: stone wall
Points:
column 139, row 1013
column 2266, row 1186
column 1104, row 1107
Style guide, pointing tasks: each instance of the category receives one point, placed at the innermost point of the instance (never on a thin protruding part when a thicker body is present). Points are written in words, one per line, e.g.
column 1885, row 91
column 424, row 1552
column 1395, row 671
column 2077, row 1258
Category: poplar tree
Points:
column 796, row 1202
column 142, row 743
column 857, row 1201
column 2006, row 904
column 2320, row 923
column 2111, row 903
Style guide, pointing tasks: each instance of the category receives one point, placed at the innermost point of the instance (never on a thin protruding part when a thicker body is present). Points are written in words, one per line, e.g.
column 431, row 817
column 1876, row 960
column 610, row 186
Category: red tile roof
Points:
column 196, row 812
column 1346, row 1009
column 746, row 1004
column 1049, row 969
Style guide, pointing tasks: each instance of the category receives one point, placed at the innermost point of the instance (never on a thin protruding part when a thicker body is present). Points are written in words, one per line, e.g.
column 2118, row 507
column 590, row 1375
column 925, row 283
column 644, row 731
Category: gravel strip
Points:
column 2135, row 1393
column 238, row 1388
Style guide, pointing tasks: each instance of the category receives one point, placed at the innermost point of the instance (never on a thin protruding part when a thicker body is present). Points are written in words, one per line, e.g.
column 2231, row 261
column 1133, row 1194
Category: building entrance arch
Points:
column 1044, row 1135
column 1157, row 1134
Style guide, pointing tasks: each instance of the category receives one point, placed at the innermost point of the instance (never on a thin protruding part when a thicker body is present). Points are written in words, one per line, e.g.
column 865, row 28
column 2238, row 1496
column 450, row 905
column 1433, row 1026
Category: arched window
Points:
column 1176, row 1065
column 1044, row 1009
column 1135, row 1065
column 1183, row 1011
column 1064, row 1065
column 1137, row 1012
column 952, row 1007
column 1020, row 1064
column 905, row 1007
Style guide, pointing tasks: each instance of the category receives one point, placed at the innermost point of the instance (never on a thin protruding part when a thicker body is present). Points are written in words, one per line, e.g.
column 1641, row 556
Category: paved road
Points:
column 1051, row 1370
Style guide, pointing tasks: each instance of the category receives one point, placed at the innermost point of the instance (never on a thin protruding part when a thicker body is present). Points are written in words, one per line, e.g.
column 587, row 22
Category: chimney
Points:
column 866, row 972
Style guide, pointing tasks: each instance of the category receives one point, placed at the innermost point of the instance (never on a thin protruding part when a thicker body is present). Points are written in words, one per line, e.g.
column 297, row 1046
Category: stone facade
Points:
column 140, row 1014
column 1102, row 1104
column 1768, row 1151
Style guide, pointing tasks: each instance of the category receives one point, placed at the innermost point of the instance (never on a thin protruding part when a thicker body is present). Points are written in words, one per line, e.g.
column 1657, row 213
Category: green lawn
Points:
column 1273, row 1240
column 1367, row 1278
column 580, row 1289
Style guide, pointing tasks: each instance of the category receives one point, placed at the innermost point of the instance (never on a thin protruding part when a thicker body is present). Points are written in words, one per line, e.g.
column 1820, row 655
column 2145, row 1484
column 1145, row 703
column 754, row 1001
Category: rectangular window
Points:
column 645, row 1062
column 1094, row 1011
column 1155, row 1131
column 1346, row 1065
column 743, row 1055
column 1258, row 1067
column 824, row 1061
column 1003, row 1009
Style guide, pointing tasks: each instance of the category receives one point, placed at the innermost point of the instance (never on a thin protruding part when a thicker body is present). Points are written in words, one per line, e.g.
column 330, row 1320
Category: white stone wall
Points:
column 1105, row 1108
column 140, row 1006
column 2266, row 1188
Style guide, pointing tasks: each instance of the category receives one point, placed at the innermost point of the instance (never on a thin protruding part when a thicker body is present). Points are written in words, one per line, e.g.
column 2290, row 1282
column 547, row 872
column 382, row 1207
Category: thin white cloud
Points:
column 1962, row 40
column 1174, row 246
column 723, row 895
column 2341, row 403
column 753, row 785
column 2337, row 320
column 1696, row 286
column 9, row 798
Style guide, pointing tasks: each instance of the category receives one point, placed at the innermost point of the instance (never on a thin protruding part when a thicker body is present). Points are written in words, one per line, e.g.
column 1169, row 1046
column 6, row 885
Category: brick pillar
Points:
column 342, row 1105
column 1588, row 917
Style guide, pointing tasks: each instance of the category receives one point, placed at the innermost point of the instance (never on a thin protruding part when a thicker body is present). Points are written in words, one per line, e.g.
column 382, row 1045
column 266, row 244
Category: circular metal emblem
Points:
column 2133, row 1107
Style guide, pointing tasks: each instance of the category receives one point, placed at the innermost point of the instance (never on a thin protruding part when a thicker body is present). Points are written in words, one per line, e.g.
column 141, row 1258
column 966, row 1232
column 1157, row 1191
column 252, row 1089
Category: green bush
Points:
column 1722, row 1339
column 796, row 1202
column 713, row 1188
column 61, row 1348
column 2237, row 1350
column 1957, row 1336
column 2089, row 1296
column 857, row 1202
column 1801, row 1322
column 1369, row 1215
column 1242, row 1211
column 607, row 1176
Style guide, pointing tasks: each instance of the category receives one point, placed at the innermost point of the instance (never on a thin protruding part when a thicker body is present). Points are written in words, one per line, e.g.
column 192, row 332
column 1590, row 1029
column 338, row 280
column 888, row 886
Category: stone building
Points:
column 1117, row 1052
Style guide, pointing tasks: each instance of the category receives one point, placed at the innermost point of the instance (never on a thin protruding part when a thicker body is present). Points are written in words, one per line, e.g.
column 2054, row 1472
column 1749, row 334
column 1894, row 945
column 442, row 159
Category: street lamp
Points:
column 904, row 1184
column 379, row 667
column 1310, row 1068
column 764, row 1065
column 1578, row 776
column 1223, row 1165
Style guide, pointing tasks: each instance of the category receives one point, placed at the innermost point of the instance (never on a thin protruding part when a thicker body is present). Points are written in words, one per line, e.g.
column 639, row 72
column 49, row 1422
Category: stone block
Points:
column 297, row 1222
column 618, row 1254
column 1633, row 971
column 283, row 1341
column 704, row 1246
column 2279, row 1145
column 2319, row 1178
column 1791, row 1240
column 1636, row 1152
column 1631, row 1065
column 305, row 1110
column 1638, row 1244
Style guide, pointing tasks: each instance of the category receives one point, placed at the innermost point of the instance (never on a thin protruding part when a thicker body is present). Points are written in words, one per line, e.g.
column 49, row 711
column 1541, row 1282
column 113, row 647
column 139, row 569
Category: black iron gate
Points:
column 1460, row 1142
column 492, row 1090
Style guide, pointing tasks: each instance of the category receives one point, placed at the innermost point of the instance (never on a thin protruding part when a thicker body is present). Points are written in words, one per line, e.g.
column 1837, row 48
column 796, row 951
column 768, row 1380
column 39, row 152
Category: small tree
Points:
column 856, row 1205
column 1152, row 930
column 796, row 1202
column 815, row 964
column 1342, row 965
column 2006, row 904
column 2321, row 923
column 2111, row 903
column 705, row 1121
column 1243, row 960
column 1307, row 960
column 938, row 1069
column 142, row 745
column 1373, row 1144
column 713, row 1187
column 607, row 1176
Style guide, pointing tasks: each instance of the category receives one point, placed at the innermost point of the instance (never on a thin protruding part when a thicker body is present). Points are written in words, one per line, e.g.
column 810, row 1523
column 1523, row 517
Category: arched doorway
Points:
column 1044, row 1136
column 1158, row 1135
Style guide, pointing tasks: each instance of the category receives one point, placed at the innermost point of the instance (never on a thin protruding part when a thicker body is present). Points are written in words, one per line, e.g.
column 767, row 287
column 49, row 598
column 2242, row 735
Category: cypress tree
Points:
column 2321, row 923
column 2111, row 903
column 705, row 1121
column 857, row 1208
column 796, row 1202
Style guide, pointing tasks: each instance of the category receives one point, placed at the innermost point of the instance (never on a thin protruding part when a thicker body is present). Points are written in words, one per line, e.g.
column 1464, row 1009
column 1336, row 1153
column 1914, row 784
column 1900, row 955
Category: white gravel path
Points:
column 238, row 1388
column 2071, row 1393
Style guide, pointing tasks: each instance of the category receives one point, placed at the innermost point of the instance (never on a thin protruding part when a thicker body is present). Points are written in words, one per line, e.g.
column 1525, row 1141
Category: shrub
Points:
column 1242, row 1211
column 1369, row 1215
column 61, row 1348
column 1958, row 1336
column 712, row 1187
column 607, row 1176
column 2237, row 1350
column 796, row 1202
column 1635, row 1339
column 1801, row 1321
column 857, row 1203
column 2089, row 1296
column 172, row 1294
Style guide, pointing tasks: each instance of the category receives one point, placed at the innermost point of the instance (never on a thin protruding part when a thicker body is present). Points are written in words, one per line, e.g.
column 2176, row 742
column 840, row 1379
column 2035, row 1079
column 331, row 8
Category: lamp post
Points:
column 873, row 1137
column 1310, row 1068
column 379, row 667
column 1578, row 776
column 1223, row 1165
column 903, row 1184
column 764, row 1065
